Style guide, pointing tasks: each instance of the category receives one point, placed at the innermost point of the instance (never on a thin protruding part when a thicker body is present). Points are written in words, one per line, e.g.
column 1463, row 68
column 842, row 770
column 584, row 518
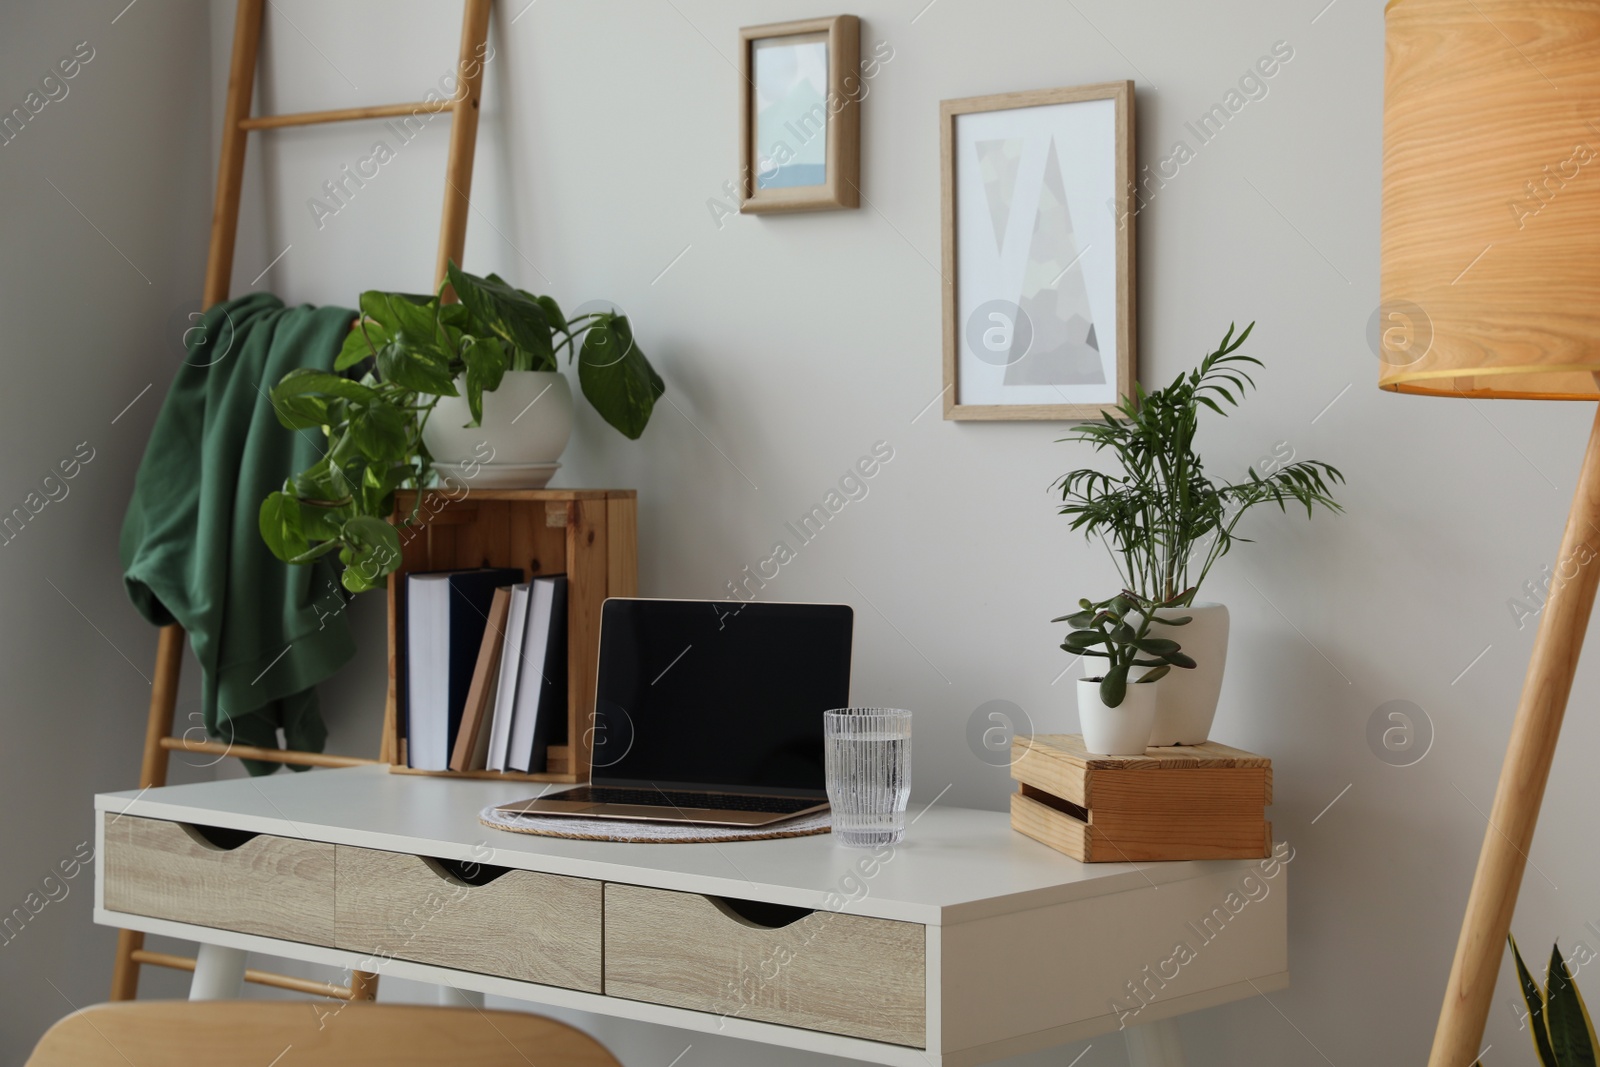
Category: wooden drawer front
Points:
column 533, row 927
column 843, row 974
column 271, row 886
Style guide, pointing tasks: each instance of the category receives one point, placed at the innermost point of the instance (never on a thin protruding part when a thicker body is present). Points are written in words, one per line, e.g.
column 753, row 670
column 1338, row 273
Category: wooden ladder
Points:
column 237, row 123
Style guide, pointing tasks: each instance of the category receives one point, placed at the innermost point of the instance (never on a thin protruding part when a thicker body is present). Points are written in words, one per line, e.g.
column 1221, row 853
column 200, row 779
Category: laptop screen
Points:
column 718, row 695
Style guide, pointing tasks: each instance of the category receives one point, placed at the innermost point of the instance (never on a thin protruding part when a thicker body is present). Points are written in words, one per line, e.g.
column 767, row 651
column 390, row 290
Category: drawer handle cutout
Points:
column 759, row 914
column 464, row 872
column 217, row 838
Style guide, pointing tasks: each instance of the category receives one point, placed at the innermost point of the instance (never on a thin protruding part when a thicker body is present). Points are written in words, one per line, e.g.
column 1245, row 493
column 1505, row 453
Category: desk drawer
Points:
column 227, row 879
column 516, row 924
column 819, row 970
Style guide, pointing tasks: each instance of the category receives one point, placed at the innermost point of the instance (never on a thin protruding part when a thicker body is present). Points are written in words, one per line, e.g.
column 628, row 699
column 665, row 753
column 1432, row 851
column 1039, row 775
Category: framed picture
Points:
column 1038, row 253
column 799, row 118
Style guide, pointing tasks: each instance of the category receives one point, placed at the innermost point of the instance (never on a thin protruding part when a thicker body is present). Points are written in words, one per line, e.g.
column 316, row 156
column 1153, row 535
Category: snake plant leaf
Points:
column 616, row 377
column 1536, row 1010
column 1567, row 1020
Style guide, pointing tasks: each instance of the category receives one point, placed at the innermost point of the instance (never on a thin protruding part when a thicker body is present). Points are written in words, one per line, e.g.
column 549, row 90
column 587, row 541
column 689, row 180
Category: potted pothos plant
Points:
column 1166, row 522
column 422, row 383
column 1116, row 709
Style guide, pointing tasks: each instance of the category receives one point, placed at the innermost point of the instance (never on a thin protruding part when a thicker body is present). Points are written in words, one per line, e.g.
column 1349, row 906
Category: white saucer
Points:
column 497, row 475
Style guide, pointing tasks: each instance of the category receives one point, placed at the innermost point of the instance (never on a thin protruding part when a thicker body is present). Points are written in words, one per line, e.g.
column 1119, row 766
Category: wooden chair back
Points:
column 247, row 1033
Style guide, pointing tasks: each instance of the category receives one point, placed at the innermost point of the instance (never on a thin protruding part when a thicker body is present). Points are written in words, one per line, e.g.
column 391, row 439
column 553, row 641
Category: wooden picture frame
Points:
column 1006, row 162
column 830, row 127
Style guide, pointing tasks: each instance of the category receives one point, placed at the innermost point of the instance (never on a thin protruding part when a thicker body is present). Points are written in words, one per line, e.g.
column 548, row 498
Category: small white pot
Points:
column 526, row 423
column 1120, row 731
column 1188, row 700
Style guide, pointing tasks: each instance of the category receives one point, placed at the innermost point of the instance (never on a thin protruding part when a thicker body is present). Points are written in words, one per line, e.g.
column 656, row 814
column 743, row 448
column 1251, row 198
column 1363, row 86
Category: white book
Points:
column 428, row 671
column 505, row 697
column 531, row 681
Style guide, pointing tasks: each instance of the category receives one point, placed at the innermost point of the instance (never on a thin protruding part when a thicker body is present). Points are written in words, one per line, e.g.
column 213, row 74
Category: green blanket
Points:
column 265, row 633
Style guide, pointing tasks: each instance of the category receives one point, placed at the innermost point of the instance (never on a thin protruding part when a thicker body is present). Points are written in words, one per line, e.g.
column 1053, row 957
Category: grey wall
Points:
column 789, row 346
column 103, row 216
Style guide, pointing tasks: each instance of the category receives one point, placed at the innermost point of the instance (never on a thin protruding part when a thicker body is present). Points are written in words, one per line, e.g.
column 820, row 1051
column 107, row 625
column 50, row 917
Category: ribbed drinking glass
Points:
column 868, row 773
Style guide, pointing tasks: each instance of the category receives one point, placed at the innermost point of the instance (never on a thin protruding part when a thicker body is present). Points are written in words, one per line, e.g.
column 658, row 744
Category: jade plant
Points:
column 1163, row 518
column 1118, row 630
column 408, row 351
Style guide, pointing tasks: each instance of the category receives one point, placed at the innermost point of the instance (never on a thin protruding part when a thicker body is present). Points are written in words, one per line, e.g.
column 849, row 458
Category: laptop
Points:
column 710, row 711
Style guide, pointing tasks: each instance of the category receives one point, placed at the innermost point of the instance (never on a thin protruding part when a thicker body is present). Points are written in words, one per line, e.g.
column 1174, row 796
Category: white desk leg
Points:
column 451, row 997
column 218, row 973
column 1154, row 1045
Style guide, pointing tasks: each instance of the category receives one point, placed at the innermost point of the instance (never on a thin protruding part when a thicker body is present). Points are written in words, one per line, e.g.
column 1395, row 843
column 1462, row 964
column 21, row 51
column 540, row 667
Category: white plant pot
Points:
column 1120, row 731
column 1188, row 699
column 526, row 425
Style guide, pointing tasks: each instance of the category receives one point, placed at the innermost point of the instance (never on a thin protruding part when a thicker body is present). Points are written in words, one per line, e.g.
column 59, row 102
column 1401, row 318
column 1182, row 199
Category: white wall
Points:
column 790, row 345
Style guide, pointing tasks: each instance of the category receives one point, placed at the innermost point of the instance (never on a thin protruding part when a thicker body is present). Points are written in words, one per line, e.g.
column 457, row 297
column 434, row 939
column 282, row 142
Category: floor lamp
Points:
column 1491, row 289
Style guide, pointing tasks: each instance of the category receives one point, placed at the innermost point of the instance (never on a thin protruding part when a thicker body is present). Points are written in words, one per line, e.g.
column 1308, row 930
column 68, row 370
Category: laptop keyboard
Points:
column 660, row 798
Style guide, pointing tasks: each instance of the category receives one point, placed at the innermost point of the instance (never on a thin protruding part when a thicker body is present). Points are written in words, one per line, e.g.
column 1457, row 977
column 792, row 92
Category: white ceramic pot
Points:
column 1188, row 698
column 1120, row 731
column 526, row 425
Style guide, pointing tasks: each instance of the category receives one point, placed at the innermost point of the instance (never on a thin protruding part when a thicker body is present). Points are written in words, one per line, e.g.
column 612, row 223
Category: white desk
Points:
column 1020, row 947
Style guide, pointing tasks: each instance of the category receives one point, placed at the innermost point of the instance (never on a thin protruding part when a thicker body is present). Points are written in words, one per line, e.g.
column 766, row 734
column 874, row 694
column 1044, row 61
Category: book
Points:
column 446, row 613
column 506, row 684
column 472, row 740
column 542, row 680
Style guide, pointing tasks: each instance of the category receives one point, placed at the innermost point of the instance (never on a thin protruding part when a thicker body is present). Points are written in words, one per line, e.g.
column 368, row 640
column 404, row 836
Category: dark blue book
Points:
column 446, row 613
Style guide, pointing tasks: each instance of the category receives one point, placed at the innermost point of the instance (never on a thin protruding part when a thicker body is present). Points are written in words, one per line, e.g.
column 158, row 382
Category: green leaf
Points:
column 372, row 552
column 1154, row 675
column 486, row 365
column 300, row 412
column 321, row 481
column 280, row 526
column 1156, row 646
column 1178, row 659
column 415, row 370
column 1536, row 1016
column 510, row 315
column 304, row 382
column 1113, row 687
column 357, row 347
column 1566, row 1018
column 380, row 431
column 616, row 377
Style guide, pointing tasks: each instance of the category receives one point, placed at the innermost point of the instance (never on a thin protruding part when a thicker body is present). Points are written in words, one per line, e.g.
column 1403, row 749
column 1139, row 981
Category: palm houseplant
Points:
column 427, row 390
column 1116, row 711
column 1166, row 522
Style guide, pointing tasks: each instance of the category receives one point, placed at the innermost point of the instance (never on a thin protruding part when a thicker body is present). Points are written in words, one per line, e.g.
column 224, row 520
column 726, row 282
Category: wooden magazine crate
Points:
column 1199, row 802
column 590, row 535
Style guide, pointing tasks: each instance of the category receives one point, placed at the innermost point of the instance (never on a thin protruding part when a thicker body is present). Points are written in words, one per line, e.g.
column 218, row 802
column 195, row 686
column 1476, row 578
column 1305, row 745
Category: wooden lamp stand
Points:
column 1562, row 625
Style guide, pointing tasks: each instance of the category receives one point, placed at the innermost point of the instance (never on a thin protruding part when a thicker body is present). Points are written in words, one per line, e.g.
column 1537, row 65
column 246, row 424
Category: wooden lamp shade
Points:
column 1491, row 288
column 1491, row 199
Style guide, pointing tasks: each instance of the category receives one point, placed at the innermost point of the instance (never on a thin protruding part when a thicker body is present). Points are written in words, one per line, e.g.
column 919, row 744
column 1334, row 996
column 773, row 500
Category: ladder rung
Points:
column 278, row 981
column 270, row 755
column 344, row 114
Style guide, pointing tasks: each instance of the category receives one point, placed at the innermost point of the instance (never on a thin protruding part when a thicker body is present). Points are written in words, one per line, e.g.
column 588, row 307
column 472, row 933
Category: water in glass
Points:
column 868, row 773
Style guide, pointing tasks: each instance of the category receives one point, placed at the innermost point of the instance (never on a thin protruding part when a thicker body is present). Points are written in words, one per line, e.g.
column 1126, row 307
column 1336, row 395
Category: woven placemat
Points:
column 654, row 833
